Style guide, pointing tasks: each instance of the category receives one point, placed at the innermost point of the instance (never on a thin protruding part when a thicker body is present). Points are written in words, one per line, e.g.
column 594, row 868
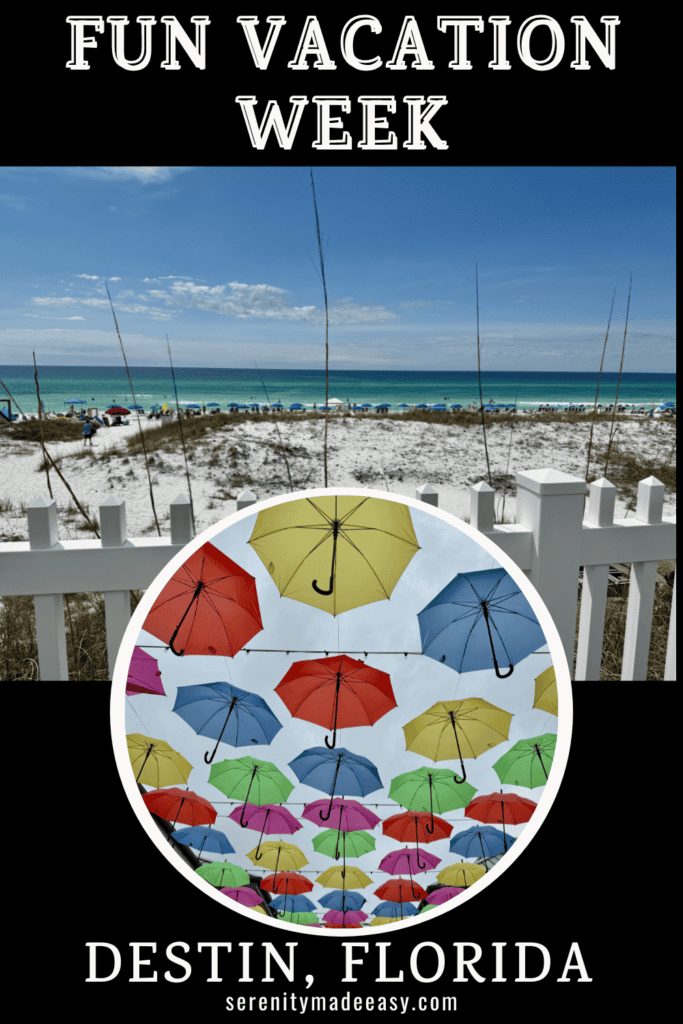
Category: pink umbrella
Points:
column 269, row 818
column 245, row 895
column 143, row 674
column 443, row 895
column 398, row 861
column 345, row 916
column 345, row 815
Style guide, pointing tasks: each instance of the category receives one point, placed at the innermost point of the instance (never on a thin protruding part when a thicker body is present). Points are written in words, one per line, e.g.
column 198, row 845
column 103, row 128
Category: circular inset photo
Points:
column 341, row 710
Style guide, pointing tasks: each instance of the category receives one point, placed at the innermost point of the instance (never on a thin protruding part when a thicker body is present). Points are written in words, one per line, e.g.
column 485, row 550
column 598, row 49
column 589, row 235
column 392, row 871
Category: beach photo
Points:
column 183, row 342
column 341, row 712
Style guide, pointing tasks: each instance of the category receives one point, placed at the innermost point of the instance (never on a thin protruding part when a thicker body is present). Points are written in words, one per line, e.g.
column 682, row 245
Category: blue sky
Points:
column 225, row 260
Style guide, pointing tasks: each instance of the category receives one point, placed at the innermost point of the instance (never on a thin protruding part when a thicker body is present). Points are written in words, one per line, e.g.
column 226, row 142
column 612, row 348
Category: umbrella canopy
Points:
column 417, row 826
column 247, row 776
column 350, row 844
column 346, row 918
column 305, row 917
column 412, row 861
column 350, row 877
column 224, row 712
column 457, row 728
column 480, row 841
column 336, row 552
column 342, row 899
column 209, row 606
column 212, row 403
column 461, row 875
column 180, row 805
column 479, row 617
column 345, row 815
column 400, row 890
column 327, row 769
column 277, row 405
column 528, row 762
column 269, row 818
column 201, row 838
column 155, row 762
column 501, row 808
column 443, row 895
column 116, row 410
column 430, row 789
column 144, row 675
column 278, row 854
column 378, row 921
column 287, row 882
column 438, row 408
column 456, row 406
column 137, row 407
column 192, row 405
column 295, row 405
column 245, row 895
column 545, row 691
column 337, row 692
column 403, row 405
column 75, row 401
column 293, row 904
column 223, row 873
column 392, row 909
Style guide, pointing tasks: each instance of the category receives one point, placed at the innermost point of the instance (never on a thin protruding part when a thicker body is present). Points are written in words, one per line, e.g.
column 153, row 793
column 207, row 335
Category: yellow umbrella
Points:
column 545, row 693
column 259, row 910
column 462, row 874
column 382, row 920
column 338, row 877
column 457, row 728
column 155, row 763
column 337, row 552
column 278, row 855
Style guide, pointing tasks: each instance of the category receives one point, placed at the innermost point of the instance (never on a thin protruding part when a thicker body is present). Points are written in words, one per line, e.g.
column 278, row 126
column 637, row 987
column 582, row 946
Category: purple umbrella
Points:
column 345, row 916
column 443, row 895
column 143, row 674
column 269, row 818
column 245, row 895
column 346, row 815
column 398, row 861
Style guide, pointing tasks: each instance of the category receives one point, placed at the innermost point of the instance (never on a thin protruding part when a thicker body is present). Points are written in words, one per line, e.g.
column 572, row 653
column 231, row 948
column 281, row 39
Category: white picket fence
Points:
column 551, row 539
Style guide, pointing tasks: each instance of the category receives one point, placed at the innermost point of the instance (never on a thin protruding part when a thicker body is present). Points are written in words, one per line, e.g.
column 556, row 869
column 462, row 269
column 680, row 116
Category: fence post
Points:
column 482, row 497
column 601, row 501
column 181, row 520
column 641, row 588
column 49, row 608
column 113, row 531
column 670, row 664
column 550, row 505
column 427, row 493
column 245, row 498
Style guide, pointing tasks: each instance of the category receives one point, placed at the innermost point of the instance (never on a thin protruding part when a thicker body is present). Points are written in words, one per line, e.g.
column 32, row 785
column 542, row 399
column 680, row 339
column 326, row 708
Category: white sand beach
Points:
column 382, row 453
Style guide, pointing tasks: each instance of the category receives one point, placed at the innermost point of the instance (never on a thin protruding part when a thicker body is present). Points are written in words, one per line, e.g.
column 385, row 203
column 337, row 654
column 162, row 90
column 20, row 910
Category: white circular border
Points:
column 559, row 661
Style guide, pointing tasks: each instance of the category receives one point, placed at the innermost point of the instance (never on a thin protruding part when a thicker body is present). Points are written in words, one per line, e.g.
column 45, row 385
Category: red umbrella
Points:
column 414, row 824
column 336, row 692
column 210, row 605
column 401, row 890
column 117, row 410
column 497, row 808
column 180, row 805
column 291, row 883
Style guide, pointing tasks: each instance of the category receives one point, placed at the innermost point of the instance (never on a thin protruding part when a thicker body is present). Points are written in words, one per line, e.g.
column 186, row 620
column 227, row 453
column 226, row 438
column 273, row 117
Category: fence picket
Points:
column 601, row 503
column 43, row 535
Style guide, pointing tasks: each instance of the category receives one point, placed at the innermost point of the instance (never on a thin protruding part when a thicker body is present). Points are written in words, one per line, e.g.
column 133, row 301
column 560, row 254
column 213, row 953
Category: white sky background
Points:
column 418, row 683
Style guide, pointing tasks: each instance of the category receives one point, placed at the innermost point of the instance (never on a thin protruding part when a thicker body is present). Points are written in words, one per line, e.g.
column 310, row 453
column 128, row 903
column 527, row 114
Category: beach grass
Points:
column 53, row 430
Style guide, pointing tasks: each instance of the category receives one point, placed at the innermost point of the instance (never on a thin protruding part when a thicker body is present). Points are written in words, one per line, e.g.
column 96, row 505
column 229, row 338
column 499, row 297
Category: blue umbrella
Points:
column 277, row 405
column 342, row 899
column 456, row 407
column 438, row 408
column 213, row 709
column 403, row 405
column 295, row 405
column 293, row 904
column 242, row 406
column 390, row 909
column 480, row 841
column 383, row 405
column 422, row 406
column 329, row 770
column 458, row 626
column 203, row 838
column 137, row 407
column 212, row 403
column 75, row 401
column 192, row 405
column 254, row 405
column 366, row 405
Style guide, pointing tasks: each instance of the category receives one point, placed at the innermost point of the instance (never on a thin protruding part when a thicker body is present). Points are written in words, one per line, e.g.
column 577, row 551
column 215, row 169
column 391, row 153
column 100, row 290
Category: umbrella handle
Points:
column 318, row 590
column 206, row 755
column 431, row 809
column 502, row 675
column 330, row 746
column 243, row 823
column 179, row 654
column 420, row 866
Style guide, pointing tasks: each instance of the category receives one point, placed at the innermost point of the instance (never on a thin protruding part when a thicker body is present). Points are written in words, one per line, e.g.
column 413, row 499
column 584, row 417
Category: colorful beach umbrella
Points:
column 155, row 762
column 209, row 606
column 528, row 762
column 338, row 692
column 180, row 805
column 479, row 617
column 201, row 838
column 247, row 776
column 268, row 818
column 336, row 552
column 116, row 410
column 222, row 711
column 457, row 728
column 430, row 789
column 331, row 770
column 144, row 675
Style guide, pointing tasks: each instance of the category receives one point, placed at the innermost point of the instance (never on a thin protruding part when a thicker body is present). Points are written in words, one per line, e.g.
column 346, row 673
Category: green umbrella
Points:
column 223, row 873
column 303, row 917
column 528, row 762
column 353, row 844
column 431, row 789
column 429, row 906
column 248, row 779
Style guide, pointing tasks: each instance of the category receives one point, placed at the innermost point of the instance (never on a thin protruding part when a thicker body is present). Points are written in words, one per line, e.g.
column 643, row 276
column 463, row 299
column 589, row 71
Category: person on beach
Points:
column 87, row 433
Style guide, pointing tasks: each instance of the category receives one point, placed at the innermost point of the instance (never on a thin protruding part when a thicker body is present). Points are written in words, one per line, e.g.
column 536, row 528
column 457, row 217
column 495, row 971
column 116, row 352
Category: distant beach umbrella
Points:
column 403, row 405
column 137, row 407
column 295, row 405
column 277, row 405
column 116, row 410
column 438, row 408
column 75, row 401
column 212, row 403
column 423, row 405
column 192, row 405
column 456, row 407
column 366, row 405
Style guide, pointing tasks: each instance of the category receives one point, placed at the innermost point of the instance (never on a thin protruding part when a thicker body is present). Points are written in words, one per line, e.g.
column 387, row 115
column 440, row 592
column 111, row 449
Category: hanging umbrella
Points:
column 427, row 906
column 287, row 882
column 346, row 815
column 443, row 895
column 350, row 877
column 337, row 692
column 545, row 691
column 501, row 808
column 342, row 899
column 269, row 818
column 479, row 616
column 201, row 838
column 223, row 873
column 461, row 875
column 361, row 545
column 400, row 890
column 180, row 805
column 244, row 895
column 345, row 918
column 278, row 854
column 430, row 789
column 293, row 904
column 416, row 825
column 378, row 921
column 528, row 762
column 305, row 917
column 481, row 841
column 398, row 861
column 210, row 605
column 395, row 909
column 339, row 769
column 247, row 776
column 351, row 844
column 215, row 709
column 144, row 675
column 155, row 762
column 457, row 728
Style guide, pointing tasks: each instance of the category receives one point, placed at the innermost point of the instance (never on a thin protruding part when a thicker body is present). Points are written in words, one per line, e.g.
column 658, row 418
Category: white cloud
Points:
column 90, row 277
column 38, row 317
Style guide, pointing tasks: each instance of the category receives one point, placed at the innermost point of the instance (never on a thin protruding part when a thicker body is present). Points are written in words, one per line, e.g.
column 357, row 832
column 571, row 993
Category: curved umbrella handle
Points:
column 206, row 756
column 330, row 746
column 178, row 654
column 417, row 851
column 257, row 855
column 431, row 809
column 503, row 675
column 246, row 799
column 194, row 597
column 458, row 781
column 318, row 590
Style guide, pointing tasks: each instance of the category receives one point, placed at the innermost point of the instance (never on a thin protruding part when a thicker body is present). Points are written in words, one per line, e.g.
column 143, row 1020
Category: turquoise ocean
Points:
column 100, row 386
